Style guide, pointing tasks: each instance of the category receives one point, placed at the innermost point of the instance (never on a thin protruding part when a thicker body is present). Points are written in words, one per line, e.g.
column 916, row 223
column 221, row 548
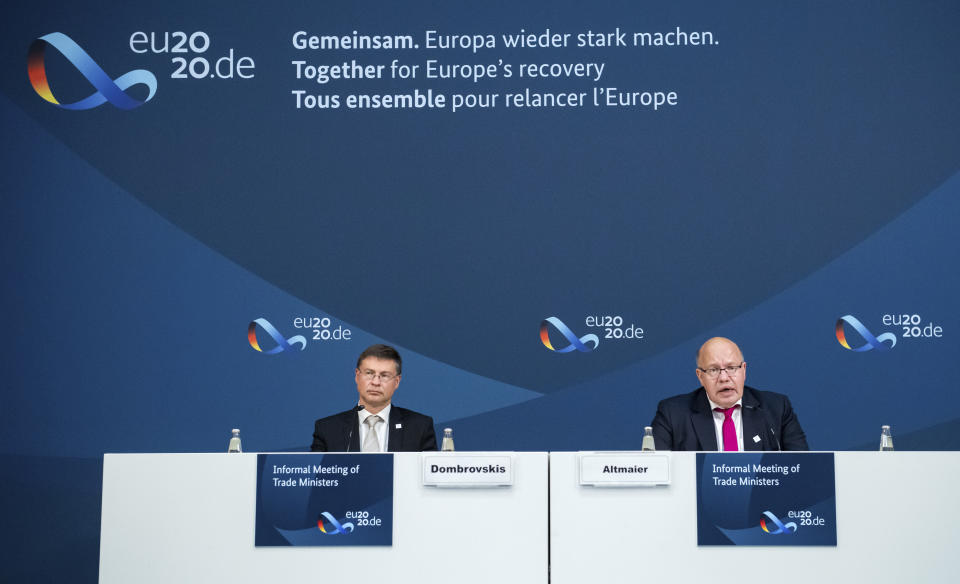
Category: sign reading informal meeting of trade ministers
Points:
column 766, row 499
column 324, row 499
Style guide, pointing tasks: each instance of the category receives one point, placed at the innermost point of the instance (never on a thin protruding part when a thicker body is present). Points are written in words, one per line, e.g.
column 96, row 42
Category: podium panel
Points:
column 895, row 523
column 190, row 518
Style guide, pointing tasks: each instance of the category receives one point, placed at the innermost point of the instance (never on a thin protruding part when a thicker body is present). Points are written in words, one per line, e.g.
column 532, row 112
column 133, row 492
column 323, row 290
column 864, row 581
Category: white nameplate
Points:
column 624, row 469
column 451, row 469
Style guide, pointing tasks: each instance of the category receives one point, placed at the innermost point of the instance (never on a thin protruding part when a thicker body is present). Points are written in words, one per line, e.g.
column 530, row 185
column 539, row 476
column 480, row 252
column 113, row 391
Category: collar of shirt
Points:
column 737, row 417
column 382, row 433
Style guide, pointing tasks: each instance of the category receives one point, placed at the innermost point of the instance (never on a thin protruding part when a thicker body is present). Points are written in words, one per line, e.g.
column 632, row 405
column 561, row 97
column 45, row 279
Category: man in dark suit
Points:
column 724, row 414
column 374, row 424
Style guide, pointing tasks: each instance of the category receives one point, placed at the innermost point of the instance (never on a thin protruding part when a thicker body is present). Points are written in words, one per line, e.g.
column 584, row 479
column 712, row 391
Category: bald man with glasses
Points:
column 725, row 414
column 375, row 424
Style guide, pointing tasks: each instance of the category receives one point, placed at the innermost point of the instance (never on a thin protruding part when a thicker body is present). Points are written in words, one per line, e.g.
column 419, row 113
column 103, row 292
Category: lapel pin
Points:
column 756, row 439
column 399, row 426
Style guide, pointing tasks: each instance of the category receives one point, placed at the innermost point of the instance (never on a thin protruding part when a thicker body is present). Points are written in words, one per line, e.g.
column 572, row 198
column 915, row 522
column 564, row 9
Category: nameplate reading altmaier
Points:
column 467, row 470
column 324, row 500
column 624, row 469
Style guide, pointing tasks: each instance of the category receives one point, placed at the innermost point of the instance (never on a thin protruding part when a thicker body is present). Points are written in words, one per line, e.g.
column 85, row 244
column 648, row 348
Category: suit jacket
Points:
column 685, row 422
column 409, row 432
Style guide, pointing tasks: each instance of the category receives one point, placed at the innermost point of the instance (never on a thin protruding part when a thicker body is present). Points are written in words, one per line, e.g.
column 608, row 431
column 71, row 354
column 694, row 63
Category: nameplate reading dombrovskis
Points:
column 770, row 499
column 324, row 500
column 467, row 470
column 624, row 469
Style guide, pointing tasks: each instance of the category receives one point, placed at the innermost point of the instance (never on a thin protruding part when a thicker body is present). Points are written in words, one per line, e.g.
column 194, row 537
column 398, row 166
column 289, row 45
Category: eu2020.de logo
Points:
column 105, row 88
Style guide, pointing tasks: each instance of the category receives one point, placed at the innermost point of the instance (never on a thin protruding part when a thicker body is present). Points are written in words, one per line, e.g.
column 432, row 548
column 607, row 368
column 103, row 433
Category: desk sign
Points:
column 780, row 499
column 324, row 500
column 467, row 470
column 624, row 469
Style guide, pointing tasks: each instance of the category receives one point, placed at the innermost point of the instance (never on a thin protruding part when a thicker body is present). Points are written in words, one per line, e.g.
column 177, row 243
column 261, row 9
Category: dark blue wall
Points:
column 807, row 172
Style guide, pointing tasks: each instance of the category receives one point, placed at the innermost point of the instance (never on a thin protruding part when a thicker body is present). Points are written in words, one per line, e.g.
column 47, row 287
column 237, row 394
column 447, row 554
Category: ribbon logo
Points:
column 112, row 90
column 282, row 343
column 334, row 524
column 778, row 525
column 872, row 341
column 578, row 344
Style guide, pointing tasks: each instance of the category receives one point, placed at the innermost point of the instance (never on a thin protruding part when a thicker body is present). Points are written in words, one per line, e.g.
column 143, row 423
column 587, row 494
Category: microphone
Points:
column 353, row 425
column 779, row 448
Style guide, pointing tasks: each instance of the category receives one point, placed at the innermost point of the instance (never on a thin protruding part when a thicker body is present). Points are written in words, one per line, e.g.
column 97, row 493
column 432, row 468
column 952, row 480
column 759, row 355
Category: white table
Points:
column 896, row 522
column 181, row 518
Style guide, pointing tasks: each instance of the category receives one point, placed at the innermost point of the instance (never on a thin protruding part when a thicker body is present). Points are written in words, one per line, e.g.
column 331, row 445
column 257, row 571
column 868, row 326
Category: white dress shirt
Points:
column 737, row 423
column 382, row 433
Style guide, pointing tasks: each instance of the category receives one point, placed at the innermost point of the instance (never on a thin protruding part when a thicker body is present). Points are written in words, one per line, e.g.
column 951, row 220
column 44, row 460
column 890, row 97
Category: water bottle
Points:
column 648, row 445
column 447, row 444
column 886, row 439
column 235, row 442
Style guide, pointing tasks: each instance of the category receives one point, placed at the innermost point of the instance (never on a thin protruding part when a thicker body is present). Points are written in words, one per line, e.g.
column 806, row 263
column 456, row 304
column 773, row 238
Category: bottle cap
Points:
column 236, row 430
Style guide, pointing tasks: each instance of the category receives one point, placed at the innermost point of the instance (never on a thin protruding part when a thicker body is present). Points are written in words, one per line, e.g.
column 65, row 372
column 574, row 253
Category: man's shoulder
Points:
column 684, row 400
column 762, row 397
column 336, row 418
column 397, row 413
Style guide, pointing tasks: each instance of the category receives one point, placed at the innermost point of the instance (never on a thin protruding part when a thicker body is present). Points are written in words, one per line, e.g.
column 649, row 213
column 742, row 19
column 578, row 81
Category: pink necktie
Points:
column 729, row 430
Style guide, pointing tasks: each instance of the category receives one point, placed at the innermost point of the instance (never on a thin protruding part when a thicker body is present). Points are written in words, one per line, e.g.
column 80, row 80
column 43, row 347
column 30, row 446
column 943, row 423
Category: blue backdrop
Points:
column 806, row 169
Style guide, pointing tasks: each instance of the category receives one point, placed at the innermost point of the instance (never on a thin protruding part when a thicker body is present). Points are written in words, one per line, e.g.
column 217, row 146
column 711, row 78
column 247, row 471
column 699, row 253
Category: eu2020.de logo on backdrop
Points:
column 105, row 88
column 280, row 343
column 613, row 327
column 318, row 328
column 910, row 326
column 193, row 58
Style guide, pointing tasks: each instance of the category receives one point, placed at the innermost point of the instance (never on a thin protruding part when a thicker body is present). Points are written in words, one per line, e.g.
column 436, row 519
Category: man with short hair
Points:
column 724, row 414
column 375, row 424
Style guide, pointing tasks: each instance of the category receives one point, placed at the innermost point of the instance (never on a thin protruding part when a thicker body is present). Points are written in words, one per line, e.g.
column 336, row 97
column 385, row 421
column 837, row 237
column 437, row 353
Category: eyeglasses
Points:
column 384, row 377
column 715, row 371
